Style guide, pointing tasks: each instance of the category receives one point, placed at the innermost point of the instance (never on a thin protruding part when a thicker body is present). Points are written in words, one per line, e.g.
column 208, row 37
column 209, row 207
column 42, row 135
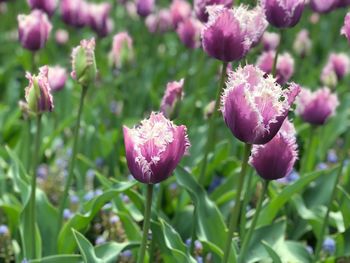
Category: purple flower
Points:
column 270, row 41
column 57, row 77
column 323, row 6
column 322, row 166
column 302, row 43
column 98, row 18
column 67, row 214
column 345, row 30
column 114, row 219
column 4, row 230
column 332, row 156
column 329, row 245
column 339, row 63
column 254, row 106
column 179, row 10
column 200, row 7
column 189, row 32
column 159, row 22
column 100, row 240
column 230, row 33
column 61, row 36
column 316, row 107
column 154, row 148
column 283, row 13
column 48, row 6
column 173, row 95
column 276, row 158
column 33, row 30
column 122, row 49
column 75, row 13
column 144, row 7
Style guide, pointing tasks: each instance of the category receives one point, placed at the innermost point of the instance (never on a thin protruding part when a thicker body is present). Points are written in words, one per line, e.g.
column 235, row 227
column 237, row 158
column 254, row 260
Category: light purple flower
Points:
column 200, row 7
column 302, row 43
column 323, row 6
column 345, row 30
column 122, row 49
column 98, row 18
column 159, row 22
column 316, row 107
column 254, row 106
column 173, row 95
column 270, row 41
column 33, row 30
column 189, row 32
column 154, row 148
column 48, row 6
column 276, row 158
column 179, row 10
column 61, row 36
column 230, row 33
column 75, row 13
column 144, row 7
column 57, row 77
column 283, row 13
column 340, row 62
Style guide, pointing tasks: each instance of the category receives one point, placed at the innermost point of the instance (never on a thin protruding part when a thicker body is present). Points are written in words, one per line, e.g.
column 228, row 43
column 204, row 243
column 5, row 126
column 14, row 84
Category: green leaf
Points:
column 86, row 249
column 274, row 256
column 59, row 259
column 110, row 251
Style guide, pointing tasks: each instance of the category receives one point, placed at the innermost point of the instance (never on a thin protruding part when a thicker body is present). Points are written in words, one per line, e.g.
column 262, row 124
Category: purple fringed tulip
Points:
column 189, row 32
column 179, row 10
column 159, row 22
column 122, row 49
column 254, row 106
column 270, row 41
column 323, row 6
column 284, row 66
column 302, row 43
column 144, row 7
column 99, row 18
column 230, row 33
column 38, row 92
column 75, row 13
column 57, row 78
column 154, row 148
column 339, row 63
column 316, row 107
column 276, row 158
column 33, row 30
column 200, row 7
column 346, row 28
column 173, row 95
column 283, row 13
column 48, row 6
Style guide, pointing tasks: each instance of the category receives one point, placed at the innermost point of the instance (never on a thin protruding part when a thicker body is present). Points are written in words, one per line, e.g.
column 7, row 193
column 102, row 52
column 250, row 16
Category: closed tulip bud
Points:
column 270, row 41
column 48, row 6
column 323, row 6
column 200, row 7
column 302, row 43
column 340, row 63
column 346, row 28
column 254, row 106
column 122, row 50
column 154, row 148
column 38, row 92
column 33, row 30
column 276, row 158
column 57, row 78
column 316, row 107
column 189, row 32
column 83, row 62
column 283, row 13
column 230, row 33
column 61, row 36
column 284, row 66
column 160, row 22
column 144, row 7
column 173, row 95
column 99, row 18
column 179, row 10
column 75, row 12
column 329, row 77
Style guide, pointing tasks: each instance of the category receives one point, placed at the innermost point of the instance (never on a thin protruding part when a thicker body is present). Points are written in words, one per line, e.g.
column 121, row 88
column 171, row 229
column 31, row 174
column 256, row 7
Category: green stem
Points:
column 245, row 204
column 33, row 185
column 146, row 223
column 333, row 195
column 236, row 210
column 73, row 159
column 308, row 162
column 247, row 238
column 278, row 50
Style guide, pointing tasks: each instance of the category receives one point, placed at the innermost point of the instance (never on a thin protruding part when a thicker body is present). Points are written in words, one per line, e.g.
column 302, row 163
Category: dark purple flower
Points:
column 144, row 7
column 98, row 18
column 75, row 12
column 200, row 7
column 48, row 6
column 189, row 32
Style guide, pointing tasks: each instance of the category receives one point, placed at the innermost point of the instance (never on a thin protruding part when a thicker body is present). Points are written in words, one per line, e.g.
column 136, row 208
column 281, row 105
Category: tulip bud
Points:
column 189, row 32
column 179, row 10
column 209, row 109
column 154, row 148
column 144, row 7
column 98, row 18
column 329, row 77
column 33, row 30
column 38, row 92
column 270, row 41
column 57, row 78
column 48, row 6
column 323, row 6
column 122, row 50
column 230, row 33
column 83, row 62
column 281, row 13
column 254, row 106
column 316, row 107
column 75, row 12
column 173, row 95
column 346, row 28
column 200, row 7
column 159, row 22
column 302, row 43
column 276, row 158
column 338, row 64
column 61, row 36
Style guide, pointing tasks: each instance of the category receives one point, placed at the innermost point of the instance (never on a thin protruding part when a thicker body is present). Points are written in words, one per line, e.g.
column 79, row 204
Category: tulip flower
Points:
column 61, row 36
column 75, row 13
column 323, row 6
column 57, row 78
column 159, row 22
column 302, row 43
column 33, row 30
column 276, row 158
column 98, row 18
column 48, row 6
column 200, row 7
column 270, row 41
column 189, row 32
column 173, row 95
column 144, row 7
column 230, row 33
column 154, row 148
column 283, row 13
column 179, row 11
column 318, row 106
column 346, row 28
column 122, row 49
column 254, row 106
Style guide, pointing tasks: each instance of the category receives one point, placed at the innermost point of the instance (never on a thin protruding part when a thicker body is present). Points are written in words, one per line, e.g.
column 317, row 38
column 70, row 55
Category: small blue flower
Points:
column 310, row 249
column 98, row 192
column 25, row 261
column 126, row 254
column 199, row 259
column 67, row 214
column 215, row 183
column 99, row 162
column 329, row 245
column 322, row 166
column 332, row 156
column 173, row 186
column 100, row 240
column 198, row 245
column 188, row 242
column 74, row 199
column 3, row 230
column 90, row 174
column 42, row 171
column 88, row 196
column 114, row 219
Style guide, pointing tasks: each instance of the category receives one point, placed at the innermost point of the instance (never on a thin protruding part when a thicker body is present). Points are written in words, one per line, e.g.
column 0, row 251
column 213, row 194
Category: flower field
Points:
column 174, row 131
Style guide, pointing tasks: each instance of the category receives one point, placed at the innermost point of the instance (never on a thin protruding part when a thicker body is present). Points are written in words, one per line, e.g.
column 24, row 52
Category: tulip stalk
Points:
column 146, row 223
column 308, row 162
column 73, row 158
column 236, row 210
column 278, row 50
column 245, row 203
column 248, row 236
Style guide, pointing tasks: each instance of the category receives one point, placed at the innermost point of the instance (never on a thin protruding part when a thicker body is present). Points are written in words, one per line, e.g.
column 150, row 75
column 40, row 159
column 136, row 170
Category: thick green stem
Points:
column 73, row 159
column 236, row 210
column 278, row 50
column 146, row 224
column 248, row 236
column 308, row 162
column 33, row 185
